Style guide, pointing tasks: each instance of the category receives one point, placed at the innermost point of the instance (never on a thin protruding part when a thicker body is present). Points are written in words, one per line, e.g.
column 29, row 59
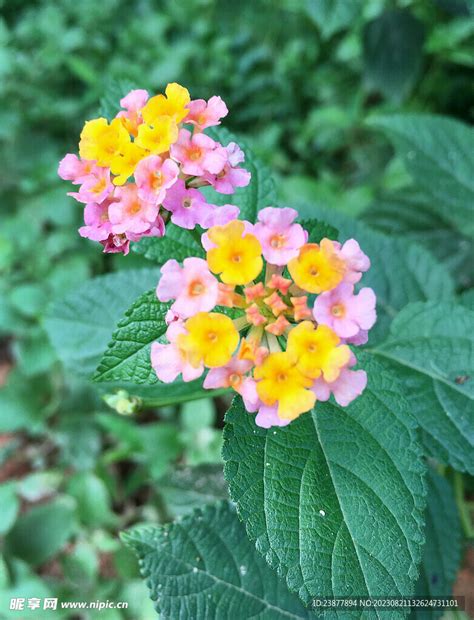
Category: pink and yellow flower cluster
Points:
column 268, row 314
column 146, row 165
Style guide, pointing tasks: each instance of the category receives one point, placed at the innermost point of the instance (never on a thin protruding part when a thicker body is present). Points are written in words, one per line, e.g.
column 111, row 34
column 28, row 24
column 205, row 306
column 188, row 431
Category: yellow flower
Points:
column 317, row 351
column 212, row 338
column 317, row 268
column 279, row 380
column 102, row 142
column 159, row 137
column 173, row 105
column 124, row 165
column 237, row 257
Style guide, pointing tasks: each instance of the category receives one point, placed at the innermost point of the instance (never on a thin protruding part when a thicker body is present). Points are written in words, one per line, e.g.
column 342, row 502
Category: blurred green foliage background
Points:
column 300, row 79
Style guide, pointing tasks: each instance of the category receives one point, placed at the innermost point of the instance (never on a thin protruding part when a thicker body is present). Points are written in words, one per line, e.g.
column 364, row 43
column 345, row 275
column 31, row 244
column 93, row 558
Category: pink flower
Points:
column 233, row 375
column 198, row 154
column 188, row 206
column 219, row 216
column 96, row 186
column 193, row 286
column 356, row 261
column 345, row 313
column 71, row 168
column 267, row 416
column 230, row 176
column 133, row 104
column 115, row 244
column 153, row 176
column 281, row 240
column 202, row 114
column 129, row 214
column 96, row 219
column 168, row 360
column 349, row 385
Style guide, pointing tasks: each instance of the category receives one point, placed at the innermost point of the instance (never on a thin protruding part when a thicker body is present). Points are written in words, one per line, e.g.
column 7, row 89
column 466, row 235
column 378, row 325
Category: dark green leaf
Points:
column 178, row 243
column 442, row 551
column 431, row 348
column 439, row 153
column 205, row 567
column 317, row 230
column 334, row 500
column 10, row 506
column 128, row 355
column 187, row 488
column 393, row 44
column 81, row 324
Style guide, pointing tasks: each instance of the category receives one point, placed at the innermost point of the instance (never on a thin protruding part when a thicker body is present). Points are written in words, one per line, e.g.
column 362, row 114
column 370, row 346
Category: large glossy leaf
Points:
column 439, row 153
column 128, row 355
column 81, row 324
column 400, row 271
column 442, row 551
column 393, row 44
column 178, row 243
column 204, row 567
column 258, row 194
column 431, row 348
column 334, row 500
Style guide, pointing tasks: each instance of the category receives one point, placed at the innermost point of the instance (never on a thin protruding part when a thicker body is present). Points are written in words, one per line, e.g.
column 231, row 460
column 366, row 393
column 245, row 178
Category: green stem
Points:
column 176, row 400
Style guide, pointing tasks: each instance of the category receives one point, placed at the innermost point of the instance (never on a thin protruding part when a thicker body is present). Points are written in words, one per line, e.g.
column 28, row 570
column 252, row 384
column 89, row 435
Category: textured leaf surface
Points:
column 431, row 347
column 258, row 194
column 335, row 499
column 128, row 355
column 204, row 567
column 442, row 551
column 393, row 45
column 317, row 230
column 400, row 271
column 81, row 324
column 439, row 153
column 409, row 214
column 178, row 243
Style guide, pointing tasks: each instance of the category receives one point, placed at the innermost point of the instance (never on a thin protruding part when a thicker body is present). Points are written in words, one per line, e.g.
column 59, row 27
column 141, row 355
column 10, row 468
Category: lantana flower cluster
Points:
column 268, row 314
column 147, row 164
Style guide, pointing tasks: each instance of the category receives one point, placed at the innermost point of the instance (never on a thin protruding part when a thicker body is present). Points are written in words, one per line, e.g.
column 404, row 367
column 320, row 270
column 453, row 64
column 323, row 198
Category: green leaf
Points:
column 439, row 153
column 81, row 324
column 317, row 230
column 52, row 525
column 335, row 499
column 442, row 551
column 431, row 348
column 93, row 500
column 187, row 488
column 393, row 44
column 128, row 355
column 259, row 193
column 10, row 506
column 178, row 243
column 409, row 214
column 205, row 567
column 400, row 271
column 332, row 15
column 160, row 445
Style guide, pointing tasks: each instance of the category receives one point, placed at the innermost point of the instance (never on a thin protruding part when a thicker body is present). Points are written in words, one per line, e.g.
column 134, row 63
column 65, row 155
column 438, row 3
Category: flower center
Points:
column 212, row 336
column 157, row 180
column 313, row 271
column 194, row 153
column 277, row 241
column 312, row 348
column 134, row 208
column 196, row 288
column 281, row 376
column 235, row 379
column 337, row 310
column 99, row 186
column 187, row 202
column 236, row 258
column 201, row 119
